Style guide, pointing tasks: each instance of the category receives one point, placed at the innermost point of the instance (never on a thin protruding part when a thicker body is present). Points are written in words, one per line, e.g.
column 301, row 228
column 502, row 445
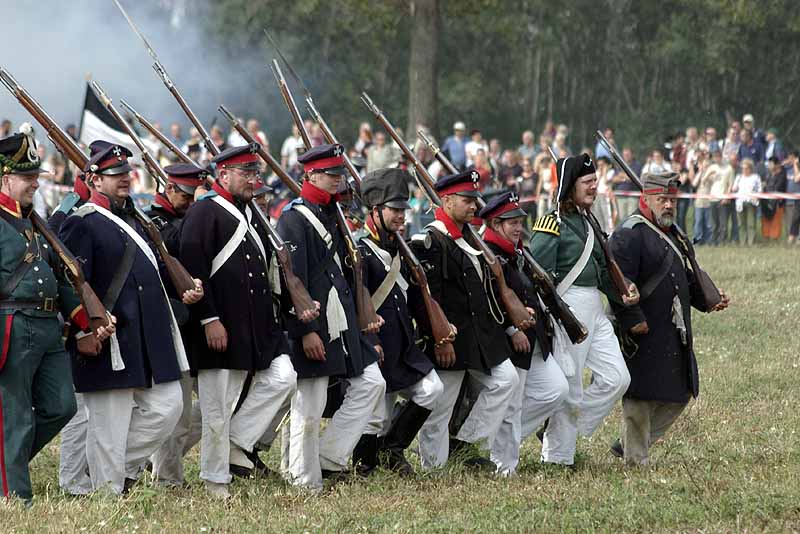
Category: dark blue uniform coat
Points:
column 351, row 353
column 662, row 369
column 481, row 342
column 142, row 311
column 239, row 293
column 404, row 364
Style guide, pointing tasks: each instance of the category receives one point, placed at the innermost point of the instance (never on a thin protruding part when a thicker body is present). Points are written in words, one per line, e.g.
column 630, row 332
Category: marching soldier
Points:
column 237, row 328
column 542, row 385
column 406, row 369
column 167, row 213
column 330, row 346
column 457, row 273
column 564, row 244
column 131, row 388
column 654, row 254
column 36, row 393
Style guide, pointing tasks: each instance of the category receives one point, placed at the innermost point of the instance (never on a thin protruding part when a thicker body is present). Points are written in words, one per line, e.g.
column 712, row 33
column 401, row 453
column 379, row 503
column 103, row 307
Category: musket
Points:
column 555, row 305
column 614, row 272
column 516, row 310
column 178, row 274
column 711, row 293
column 163, row 139
column 364, row 307
column 299, row 295
column 98, row 316
column 440, row 325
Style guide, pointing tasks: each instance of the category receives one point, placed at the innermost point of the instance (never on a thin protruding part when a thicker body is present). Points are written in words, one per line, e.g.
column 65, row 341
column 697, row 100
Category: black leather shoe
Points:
column 260, row 468
column 617, row 449
column 239, row 471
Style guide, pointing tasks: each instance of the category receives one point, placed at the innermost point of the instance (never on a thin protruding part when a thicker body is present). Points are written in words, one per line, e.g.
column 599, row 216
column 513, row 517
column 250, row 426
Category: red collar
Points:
column 648, row 214
column 82, row 189
column 490, row 236
column 10, row 205
column 100, row 199
column 224, row 193
column 452, row 228
column 315, row 195
column 162, row 200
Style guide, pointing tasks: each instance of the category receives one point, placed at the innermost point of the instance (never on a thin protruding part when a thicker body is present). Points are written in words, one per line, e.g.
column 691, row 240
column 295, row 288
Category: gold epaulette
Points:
column 547, row 223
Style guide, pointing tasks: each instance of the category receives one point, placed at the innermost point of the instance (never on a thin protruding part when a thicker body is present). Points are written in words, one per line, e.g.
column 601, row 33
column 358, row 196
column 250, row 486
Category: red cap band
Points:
column 462, row 187
column 240, row 159
column 322, row 164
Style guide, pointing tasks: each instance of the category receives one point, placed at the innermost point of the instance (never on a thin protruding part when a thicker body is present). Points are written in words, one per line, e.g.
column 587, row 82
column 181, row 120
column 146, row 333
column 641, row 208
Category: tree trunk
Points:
column 537, row 74
column 423, row 66
column 551, row 75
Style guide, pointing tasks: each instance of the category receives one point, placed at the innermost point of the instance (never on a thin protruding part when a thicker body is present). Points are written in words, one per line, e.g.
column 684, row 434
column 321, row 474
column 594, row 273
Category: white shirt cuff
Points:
column 81, row 335
column 204, row 322
column 511, row 330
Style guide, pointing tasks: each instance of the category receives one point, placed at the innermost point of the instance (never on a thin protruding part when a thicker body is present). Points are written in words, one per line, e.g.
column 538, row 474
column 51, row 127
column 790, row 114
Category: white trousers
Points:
column 73, row 469
column 541, row 391
column 484, row 418
column 423, row 393
column 126, row 426
column 168, row 459
column 308, row 452
column 219, row 391
column 584, row 409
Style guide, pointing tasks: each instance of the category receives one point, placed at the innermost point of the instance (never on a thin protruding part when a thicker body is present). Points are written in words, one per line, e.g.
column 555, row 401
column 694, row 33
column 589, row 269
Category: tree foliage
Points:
column 646, row 67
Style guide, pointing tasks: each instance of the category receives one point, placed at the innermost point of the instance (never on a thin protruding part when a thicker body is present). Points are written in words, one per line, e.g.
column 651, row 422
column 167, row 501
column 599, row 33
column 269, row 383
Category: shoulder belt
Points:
column 85, row 210
column 547, row 223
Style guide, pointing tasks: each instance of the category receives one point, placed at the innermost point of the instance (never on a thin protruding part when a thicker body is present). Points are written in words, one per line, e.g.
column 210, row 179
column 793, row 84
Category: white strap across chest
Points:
column 393, row 276
column 238, row 236
column 117, row 363
column 472, row 253
column 577, row 269
column 660, row 233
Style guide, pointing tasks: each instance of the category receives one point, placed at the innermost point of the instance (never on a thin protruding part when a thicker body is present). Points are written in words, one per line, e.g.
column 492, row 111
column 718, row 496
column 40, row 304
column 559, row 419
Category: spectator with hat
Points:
column 454, row 147
column 332, row 346
column 749, row 124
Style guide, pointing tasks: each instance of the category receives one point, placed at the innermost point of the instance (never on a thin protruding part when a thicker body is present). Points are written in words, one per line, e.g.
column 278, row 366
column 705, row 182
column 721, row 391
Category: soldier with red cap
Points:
column 460, row 281
column 331, row 346
column 131, row 388
column 236, row 328
column 170, row 206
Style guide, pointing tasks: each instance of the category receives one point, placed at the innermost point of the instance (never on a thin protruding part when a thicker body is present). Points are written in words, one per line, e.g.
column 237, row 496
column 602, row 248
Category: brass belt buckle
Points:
column 49, row 304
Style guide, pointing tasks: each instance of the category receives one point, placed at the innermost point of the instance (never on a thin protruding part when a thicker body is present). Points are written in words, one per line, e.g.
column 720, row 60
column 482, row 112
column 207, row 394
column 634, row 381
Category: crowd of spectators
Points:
column 718, row 175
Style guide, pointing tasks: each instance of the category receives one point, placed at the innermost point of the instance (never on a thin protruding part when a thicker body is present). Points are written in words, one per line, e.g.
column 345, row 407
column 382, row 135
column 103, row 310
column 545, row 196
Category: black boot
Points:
column 404, row 428
column 365, row 455
column 469, row 455
column 260, row 468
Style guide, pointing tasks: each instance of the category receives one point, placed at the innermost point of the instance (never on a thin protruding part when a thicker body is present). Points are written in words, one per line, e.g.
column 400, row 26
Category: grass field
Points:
column 731, row 463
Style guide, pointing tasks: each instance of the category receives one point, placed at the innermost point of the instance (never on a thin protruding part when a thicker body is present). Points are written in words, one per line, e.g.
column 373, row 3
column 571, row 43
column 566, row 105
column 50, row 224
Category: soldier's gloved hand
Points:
column 313, row 347
column 193, row 295
column 632, row 298
column 373, row 327
column 520, row 342
column 724, row 303
column 309, row 315
column 445, row 355
column 640, row 329
column 89, row 345
column 216, row 336
column 379, row 350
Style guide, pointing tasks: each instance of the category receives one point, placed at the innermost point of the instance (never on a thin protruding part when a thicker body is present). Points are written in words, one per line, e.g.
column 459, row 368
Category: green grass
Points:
column 731, row 463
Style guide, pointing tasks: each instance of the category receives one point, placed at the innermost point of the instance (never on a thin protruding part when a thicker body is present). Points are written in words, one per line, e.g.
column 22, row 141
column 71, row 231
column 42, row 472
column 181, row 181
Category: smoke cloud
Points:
column 51, row 46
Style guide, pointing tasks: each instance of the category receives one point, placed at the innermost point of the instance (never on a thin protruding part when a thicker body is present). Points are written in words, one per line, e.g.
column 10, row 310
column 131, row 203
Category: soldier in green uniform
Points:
column 565, row 244
column 36, row 393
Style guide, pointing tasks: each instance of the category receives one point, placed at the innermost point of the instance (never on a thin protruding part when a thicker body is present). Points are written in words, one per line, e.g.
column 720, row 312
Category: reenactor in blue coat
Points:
column 131, row 388
column 653, row 253
column 170, row 206
column 330, row 346
column 542, row 385
column 36, row 394
column 406, row 369
column 73, row 200
column 236, row 329
column 565, row 245
column 461, row 282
